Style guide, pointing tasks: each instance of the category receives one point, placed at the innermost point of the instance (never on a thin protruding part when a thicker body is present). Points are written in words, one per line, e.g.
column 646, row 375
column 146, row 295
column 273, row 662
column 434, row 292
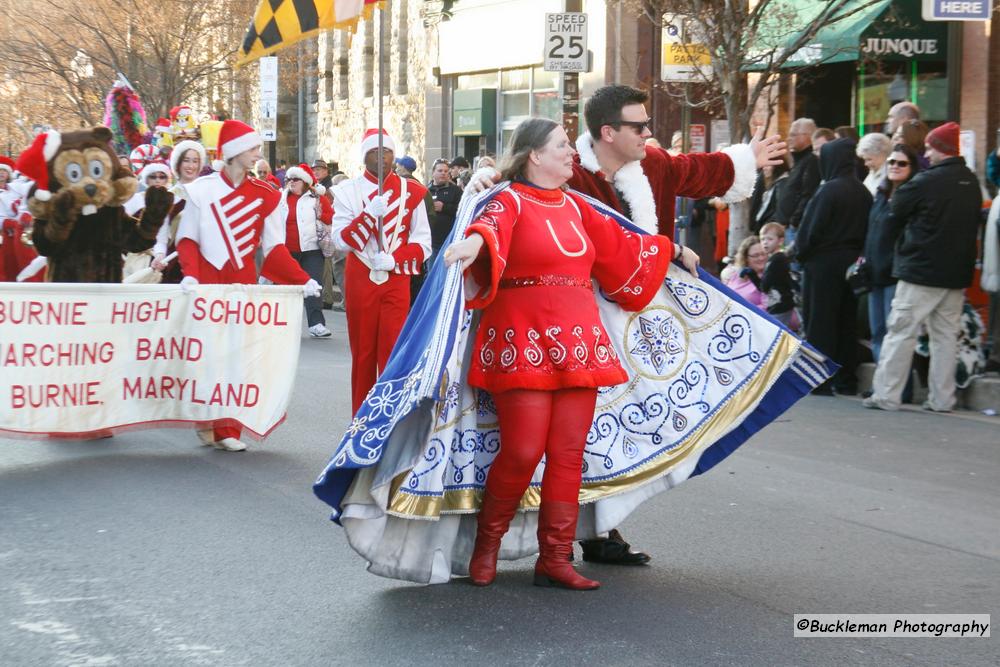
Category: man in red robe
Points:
column 387, row 238
column 615, row 165
column 227, row 216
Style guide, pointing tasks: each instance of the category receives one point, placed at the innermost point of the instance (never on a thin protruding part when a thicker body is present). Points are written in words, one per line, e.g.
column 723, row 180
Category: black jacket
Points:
column 803, row 179
column 939, row 212
column 449, row 195
column 837, row 215
column 880, row 240
column 770, row 204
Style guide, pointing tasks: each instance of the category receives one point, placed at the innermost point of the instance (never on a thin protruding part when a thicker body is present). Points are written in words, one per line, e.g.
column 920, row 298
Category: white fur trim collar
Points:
column 630, row 181
column 744, row 172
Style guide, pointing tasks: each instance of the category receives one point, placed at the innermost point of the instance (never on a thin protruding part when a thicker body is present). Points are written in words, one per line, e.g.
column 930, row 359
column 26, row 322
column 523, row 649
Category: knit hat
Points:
column 178, row 154
column 7, row 164
column 407, row 163
column 370, row 142
column 944, row 139
column 153, row 168
column 235, row 137
column 33, row 162
column 303, row 172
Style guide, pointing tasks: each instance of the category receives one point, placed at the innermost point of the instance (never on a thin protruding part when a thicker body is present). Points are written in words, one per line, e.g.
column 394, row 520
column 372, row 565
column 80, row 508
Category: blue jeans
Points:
column 879, row 306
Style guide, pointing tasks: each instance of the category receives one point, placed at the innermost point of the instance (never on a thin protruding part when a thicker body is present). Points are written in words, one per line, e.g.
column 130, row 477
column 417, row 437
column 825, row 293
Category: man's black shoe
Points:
column 612, row 550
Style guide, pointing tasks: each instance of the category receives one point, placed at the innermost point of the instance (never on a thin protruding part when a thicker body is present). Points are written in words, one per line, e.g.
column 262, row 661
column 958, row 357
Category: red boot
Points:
column 494, row 518
column 556, row 530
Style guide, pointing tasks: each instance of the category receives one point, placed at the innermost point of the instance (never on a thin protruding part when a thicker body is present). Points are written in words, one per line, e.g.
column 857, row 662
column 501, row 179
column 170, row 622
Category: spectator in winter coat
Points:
column 874, row 149
column 830, row 239
column 446, row 196
column 776, row 282
column 880, row 241
column 769, row 201
column 803, row 179
column 939, row 213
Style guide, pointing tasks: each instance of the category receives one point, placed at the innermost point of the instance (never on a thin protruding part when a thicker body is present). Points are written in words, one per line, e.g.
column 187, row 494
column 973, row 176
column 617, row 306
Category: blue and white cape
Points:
column 706, row 371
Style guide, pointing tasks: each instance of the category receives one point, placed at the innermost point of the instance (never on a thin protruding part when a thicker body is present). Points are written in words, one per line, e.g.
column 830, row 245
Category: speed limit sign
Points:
column 566, row 42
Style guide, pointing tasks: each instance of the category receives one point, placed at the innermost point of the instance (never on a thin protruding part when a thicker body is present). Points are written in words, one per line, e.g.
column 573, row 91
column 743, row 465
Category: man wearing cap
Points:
column 938, row 212
column 228, row 215
column 405, row 166
column 322, row 171
column 388, row 239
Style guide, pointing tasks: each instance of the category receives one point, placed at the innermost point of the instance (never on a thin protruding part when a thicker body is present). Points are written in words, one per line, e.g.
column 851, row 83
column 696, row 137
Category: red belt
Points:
column 547, row 280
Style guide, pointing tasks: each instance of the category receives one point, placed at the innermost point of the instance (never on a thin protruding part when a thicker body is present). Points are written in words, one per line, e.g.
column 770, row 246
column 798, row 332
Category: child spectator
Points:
column 776, row 282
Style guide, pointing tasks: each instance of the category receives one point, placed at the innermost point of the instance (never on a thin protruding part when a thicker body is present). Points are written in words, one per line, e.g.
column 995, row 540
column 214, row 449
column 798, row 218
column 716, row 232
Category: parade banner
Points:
column 88, row 359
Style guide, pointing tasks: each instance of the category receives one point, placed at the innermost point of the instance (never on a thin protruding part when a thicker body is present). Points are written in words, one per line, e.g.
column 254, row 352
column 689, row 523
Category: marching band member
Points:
column 381, row 259
column 226, row 217
column 186, row 162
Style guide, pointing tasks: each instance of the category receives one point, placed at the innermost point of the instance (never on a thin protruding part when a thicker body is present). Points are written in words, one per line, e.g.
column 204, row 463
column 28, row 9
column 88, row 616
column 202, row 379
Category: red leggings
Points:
column 532, row 423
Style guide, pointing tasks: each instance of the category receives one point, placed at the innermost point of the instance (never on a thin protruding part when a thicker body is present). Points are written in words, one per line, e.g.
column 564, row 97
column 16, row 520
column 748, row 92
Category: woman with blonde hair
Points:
column 874, row 149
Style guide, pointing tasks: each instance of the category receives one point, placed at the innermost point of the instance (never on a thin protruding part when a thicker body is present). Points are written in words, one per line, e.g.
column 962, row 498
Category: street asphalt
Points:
column 148, row 549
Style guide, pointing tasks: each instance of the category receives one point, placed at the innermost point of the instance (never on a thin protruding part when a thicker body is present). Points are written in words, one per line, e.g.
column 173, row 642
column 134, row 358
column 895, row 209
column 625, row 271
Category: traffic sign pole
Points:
column 566, row 52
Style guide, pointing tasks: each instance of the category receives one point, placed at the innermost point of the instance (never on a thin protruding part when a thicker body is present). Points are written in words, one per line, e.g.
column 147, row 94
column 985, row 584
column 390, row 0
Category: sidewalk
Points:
column 982, row 394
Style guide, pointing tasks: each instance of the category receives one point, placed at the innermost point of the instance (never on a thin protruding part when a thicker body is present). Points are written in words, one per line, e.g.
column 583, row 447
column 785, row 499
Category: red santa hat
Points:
column 33, row 163
column 162, row 125
column 7, row 164
column 235, row 137
column 153, row 168
column 305, row 172
column 180, row 110
column 178, row 154
column 370, row 142
column 945, row 139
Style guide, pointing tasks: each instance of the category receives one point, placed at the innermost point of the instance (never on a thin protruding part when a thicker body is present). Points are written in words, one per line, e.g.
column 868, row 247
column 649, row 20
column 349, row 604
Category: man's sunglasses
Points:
column 898, row 163
column 639, row 126
column 157, row 176
column 294, row 178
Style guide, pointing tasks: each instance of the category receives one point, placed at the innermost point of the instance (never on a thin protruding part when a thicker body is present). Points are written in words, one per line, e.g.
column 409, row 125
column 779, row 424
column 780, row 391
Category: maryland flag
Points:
column 280, row 23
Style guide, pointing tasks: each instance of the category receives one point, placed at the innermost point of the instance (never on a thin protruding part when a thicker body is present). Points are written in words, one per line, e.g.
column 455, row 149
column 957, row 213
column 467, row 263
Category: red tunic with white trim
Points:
column 406, row 233
column 540, row 328
column 15, row 220
column 222, row 226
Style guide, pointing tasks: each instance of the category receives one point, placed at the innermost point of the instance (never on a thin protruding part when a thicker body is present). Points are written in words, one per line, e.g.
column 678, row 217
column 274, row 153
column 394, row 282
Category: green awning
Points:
column 886, row 30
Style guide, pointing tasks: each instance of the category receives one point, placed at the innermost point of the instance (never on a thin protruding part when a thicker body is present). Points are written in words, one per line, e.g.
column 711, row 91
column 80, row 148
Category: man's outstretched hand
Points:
column 768, row 152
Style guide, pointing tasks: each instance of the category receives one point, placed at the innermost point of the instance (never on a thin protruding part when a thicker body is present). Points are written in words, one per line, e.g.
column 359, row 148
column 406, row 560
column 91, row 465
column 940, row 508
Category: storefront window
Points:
column 522, row 93
column 882, row 84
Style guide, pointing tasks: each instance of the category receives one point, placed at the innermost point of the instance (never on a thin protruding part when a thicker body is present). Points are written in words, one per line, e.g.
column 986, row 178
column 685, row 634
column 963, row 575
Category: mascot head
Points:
column 80, row 162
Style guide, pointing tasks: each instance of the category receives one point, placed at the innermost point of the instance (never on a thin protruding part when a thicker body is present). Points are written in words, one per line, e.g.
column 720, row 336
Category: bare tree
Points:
column 742, row 36
column 171, row 52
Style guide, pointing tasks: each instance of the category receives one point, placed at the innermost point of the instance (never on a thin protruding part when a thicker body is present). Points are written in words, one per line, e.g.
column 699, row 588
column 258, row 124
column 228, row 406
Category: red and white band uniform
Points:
column 376, row 312
column 222, row 226
column 15, row 220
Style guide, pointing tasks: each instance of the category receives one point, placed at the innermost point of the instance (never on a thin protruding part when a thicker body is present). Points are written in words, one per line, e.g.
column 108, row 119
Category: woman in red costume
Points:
column 541, row 350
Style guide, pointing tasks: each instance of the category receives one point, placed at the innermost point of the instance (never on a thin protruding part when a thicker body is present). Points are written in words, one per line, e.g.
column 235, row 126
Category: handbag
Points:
column 859, row 277
column 324, row 238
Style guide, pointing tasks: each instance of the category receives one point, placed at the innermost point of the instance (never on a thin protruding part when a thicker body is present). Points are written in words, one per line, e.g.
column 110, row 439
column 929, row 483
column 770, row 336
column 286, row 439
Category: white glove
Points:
column 312, row 288
column 377, row 205
column 189, row 283
column 383, row 261
column 483, row 179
